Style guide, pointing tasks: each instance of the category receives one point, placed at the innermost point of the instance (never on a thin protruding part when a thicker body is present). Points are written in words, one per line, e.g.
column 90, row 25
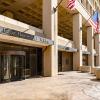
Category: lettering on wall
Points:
column 11, row 32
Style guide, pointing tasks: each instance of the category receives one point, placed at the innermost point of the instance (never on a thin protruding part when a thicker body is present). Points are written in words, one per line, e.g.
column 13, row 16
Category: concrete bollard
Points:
column 93, row 70
column 97, row 72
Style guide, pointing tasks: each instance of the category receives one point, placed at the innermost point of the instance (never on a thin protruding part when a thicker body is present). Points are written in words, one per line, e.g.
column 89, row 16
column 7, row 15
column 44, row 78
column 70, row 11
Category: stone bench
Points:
column 85, row 68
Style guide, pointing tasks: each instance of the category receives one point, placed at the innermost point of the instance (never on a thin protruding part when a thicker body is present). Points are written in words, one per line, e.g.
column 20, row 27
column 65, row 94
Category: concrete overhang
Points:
column 12, row 29
column 95, row 54
column 86, row 52
column 67, row 49
column 21, row 41
column 17, row 37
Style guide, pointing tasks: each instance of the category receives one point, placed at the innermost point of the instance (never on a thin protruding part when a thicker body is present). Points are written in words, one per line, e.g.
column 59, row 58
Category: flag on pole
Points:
column 94, row 21
column 71, row 4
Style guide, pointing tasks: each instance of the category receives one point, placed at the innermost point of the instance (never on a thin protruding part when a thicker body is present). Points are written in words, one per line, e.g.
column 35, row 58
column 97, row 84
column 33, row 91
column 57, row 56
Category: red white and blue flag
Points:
column 71, row 4
column 94, row 21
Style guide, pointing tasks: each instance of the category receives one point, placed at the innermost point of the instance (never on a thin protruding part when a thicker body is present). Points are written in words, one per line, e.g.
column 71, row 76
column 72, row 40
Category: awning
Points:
column 67, row 49
column 86, row 52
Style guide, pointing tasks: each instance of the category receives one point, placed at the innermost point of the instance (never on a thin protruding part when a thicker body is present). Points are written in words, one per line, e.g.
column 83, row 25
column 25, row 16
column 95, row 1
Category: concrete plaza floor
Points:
column 65, row 86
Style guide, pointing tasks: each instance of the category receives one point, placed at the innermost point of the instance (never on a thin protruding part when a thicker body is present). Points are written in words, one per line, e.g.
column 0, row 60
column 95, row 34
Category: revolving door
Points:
column 17, row 67
column 11, row 67
column 18, row 62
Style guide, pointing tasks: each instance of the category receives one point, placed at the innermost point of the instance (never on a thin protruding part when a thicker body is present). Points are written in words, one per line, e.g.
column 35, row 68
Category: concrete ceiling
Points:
column 4, row 47
column 30, row 12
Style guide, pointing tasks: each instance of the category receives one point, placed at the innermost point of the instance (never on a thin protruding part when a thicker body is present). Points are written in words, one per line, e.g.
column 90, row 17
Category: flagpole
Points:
column 57, row 6
column 89, row 18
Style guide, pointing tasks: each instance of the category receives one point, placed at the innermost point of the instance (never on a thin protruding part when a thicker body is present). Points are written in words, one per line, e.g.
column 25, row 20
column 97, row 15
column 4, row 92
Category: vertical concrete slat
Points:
column 97, row 48
column 90, row 46
column 77, row 38
column 50, row 28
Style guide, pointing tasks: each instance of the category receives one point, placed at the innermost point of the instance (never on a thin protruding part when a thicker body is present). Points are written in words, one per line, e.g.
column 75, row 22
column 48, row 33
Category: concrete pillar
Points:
column 77, row 38
column 90, row 46
column 97, row 48
column 50, row 28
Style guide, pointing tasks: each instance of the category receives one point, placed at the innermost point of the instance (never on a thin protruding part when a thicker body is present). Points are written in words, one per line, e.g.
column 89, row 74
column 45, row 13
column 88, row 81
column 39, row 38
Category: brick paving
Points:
column 65, row 86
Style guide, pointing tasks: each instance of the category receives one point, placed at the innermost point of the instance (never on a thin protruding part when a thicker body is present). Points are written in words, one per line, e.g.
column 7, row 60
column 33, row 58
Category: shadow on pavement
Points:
column 95, row 80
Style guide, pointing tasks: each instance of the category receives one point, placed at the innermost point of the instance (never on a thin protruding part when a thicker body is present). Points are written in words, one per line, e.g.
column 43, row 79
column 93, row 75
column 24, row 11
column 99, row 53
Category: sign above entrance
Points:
column 11, row 32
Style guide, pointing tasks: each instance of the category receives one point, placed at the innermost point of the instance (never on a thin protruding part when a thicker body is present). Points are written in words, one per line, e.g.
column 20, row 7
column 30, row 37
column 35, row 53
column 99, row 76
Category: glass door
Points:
column 4, row 68
column 17, row 66
column 59, row 61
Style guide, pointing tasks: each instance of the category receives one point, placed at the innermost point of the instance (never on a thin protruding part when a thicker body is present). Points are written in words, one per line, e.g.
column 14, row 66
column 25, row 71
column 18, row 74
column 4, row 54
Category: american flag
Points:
column 71, row 4
column 94, row 21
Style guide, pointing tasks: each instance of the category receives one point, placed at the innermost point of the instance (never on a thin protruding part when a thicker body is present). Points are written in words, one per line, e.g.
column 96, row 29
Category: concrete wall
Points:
column 65, row 42
column 19, row 26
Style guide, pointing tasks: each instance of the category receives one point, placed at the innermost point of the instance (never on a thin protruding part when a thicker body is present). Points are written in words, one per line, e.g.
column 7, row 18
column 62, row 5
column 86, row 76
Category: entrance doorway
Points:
column 17, row 66
column 65, row 61
column 59, row 61
column 19, row 62
column 34, row 62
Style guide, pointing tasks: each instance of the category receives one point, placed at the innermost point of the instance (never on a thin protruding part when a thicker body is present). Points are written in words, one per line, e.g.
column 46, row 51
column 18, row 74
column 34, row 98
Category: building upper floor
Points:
column 29, row 15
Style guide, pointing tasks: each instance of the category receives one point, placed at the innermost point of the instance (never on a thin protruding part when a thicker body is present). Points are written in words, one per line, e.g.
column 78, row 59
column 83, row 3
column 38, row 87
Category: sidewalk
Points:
column 65, row 86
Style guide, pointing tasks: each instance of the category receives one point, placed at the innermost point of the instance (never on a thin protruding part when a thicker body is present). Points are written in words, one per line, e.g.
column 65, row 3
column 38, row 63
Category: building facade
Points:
column 36, row 40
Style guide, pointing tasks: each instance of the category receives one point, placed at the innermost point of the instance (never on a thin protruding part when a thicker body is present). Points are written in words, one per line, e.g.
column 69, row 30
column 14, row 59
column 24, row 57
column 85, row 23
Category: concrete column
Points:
column 77, row 38
column 90, row 46
column 97, row 48
column 50, row 28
